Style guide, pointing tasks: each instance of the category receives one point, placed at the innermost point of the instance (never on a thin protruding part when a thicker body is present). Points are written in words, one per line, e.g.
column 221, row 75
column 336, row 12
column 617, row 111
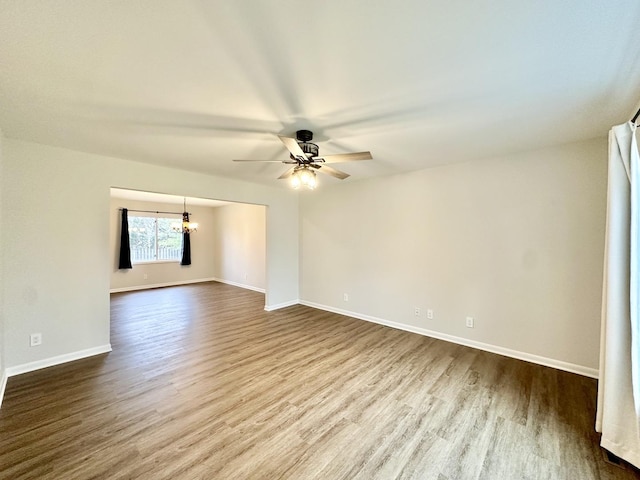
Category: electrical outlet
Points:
column 35, row 339
column 346, row 297
column 417, row 311
column 145, row 276
column 469, row 322
column 430, row 314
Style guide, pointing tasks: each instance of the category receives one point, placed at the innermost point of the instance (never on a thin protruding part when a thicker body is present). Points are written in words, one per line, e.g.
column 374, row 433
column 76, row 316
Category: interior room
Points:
column 229, row 247
column 405, row 263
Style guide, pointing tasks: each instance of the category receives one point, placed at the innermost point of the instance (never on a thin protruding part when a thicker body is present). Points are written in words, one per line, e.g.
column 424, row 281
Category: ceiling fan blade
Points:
column 287, row 174
column 343, row 157
column 288, row 162
column 272, row 161
column 292, row 146
column 333, row 172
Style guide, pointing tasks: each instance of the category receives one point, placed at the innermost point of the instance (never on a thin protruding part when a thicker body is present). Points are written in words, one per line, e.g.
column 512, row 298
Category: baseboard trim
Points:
column 278, row 306
column 50, row 362
column 507, row 352
column 241, row 285
column 3, row 385
column 162, row 285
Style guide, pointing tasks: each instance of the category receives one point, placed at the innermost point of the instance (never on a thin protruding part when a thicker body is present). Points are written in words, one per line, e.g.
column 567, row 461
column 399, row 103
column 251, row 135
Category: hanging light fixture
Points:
column 186, row 226
column 304, row 176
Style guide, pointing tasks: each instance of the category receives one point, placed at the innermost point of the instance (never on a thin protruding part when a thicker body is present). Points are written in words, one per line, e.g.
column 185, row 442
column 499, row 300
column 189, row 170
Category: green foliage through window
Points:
column 153, row 239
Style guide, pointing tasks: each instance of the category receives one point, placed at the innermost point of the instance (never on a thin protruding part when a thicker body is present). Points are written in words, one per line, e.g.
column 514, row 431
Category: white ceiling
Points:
column 195, row 84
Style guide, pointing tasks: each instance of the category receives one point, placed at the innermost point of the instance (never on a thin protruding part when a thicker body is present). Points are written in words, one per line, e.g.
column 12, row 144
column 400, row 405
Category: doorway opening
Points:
column 229, row 245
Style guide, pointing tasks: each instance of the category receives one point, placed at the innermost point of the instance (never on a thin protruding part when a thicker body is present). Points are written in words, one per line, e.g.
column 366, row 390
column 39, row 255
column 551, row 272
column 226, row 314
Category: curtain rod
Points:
column 152, row 211
column 635, row 117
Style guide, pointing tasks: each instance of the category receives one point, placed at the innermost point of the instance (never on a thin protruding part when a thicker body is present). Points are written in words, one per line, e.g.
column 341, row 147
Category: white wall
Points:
column 3, row 378
column 57, row 265
column 239, row 244
column 515, row 242
column 202, row 267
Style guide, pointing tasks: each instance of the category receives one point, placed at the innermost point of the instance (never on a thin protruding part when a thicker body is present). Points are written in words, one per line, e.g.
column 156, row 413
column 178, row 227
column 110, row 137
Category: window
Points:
column 153, row 240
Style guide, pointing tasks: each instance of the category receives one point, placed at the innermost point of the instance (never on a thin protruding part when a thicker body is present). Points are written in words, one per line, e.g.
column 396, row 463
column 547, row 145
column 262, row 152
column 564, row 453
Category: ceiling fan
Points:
column 303, row 155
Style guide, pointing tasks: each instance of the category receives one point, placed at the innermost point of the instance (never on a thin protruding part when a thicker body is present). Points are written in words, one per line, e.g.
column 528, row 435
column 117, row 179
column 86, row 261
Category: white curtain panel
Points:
column 619, row 381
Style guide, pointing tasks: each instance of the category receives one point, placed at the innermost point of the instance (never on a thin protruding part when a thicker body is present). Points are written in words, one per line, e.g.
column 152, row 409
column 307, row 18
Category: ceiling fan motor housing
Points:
column 310, row 149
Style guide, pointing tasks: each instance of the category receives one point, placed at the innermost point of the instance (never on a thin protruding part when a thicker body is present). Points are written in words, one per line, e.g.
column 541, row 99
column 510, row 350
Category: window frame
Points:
column 156, row 216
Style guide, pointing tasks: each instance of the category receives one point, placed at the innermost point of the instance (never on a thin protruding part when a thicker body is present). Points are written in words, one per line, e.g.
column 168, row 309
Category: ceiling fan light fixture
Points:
column 295, row 181
column 304, row 177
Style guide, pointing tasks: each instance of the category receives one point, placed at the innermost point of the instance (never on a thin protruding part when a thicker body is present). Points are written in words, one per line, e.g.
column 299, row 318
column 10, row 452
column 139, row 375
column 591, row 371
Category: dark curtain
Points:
column 186, row 243
column 125, row 248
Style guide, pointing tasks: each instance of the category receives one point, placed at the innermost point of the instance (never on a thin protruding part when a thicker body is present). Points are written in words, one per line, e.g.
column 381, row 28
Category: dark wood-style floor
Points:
column 203, row 383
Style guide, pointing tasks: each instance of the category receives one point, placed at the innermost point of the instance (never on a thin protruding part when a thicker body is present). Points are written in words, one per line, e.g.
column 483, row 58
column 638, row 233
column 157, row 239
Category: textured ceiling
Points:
column 195, row 84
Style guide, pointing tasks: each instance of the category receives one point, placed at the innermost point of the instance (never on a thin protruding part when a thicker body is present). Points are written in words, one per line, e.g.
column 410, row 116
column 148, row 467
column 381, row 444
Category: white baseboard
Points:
column 161, row 285
column 278, row 306
column 50, row 362
column 241, row 285
column 3, row 385
column 507, row 352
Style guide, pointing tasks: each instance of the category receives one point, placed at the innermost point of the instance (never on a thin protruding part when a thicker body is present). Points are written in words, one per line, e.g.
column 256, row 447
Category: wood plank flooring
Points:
column 202, row 383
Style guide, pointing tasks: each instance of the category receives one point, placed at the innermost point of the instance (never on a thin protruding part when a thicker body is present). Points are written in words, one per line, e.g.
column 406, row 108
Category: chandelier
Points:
column 304, row 176
column 186, row 226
